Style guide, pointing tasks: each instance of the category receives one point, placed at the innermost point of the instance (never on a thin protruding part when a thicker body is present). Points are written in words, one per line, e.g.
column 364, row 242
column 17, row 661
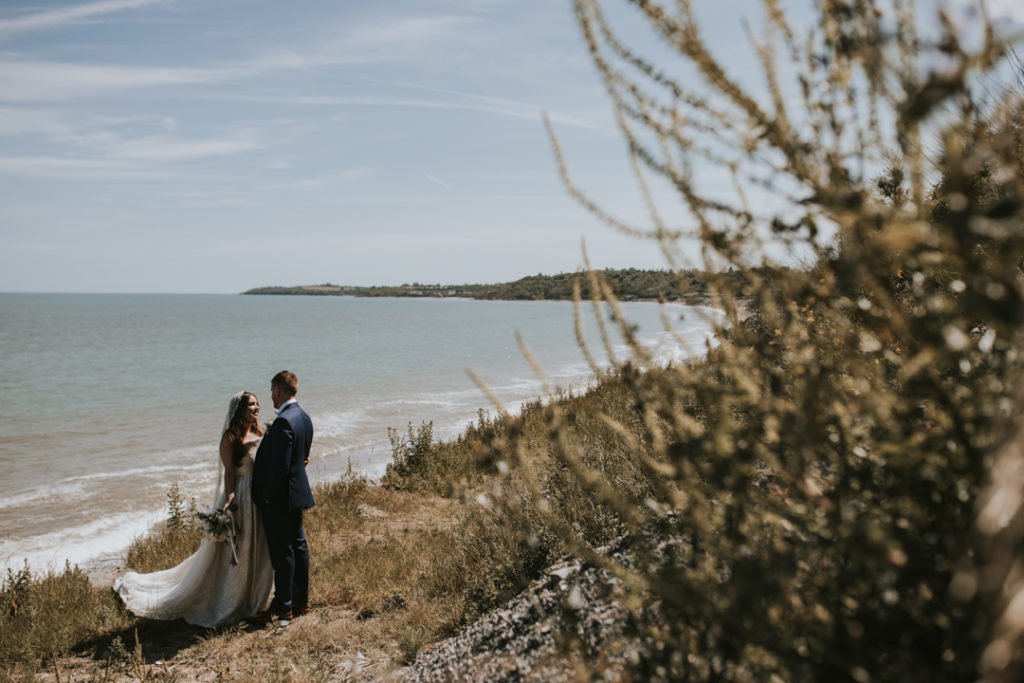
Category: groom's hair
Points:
column 287, row 382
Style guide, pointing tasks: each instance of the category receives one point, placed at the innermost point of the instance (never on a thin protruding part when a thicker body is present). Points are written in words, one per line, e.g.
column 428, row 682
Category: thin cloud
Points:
column 504, row 106
column 331, row 180
column 104, row 135
column 16, row 122
column 67, row 168
column 114, row 157
column 435, row 179
column 45, row 81
column 161, row 148
column 36, row 81
column 408, row 31
column 516, row 110
column 65, row 15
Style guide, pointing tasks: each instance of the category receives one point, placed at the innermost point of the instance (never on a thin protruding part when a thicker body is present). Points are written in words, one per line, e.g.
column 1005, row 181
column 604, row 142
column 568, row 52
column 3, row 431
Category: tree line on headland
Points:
column 628, row 284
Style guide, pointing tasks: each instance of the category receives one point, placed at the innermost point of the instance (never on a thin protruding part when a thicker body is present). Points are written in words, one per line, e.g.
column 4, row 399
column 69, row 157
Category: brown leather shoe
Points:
column 259, row 618
column 267, row 615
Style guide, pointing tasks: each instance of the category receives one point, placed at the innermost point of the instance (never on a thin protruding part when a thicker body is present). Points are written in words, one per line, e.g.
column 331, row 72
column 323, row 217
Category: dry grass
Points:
column 52, row 613
column 383, row 588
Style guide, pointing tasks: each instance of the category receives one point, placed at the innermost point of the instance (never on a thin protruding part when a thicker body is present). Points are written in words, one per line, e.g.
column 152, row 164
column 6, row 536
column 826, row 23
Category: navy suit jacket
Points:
column 279, row 476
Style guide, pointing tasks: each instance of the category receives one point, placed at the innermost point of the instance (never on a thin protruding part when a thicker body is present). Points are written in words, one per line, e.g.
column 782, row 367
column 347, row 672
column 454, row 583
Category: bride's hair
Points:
column 236, row 428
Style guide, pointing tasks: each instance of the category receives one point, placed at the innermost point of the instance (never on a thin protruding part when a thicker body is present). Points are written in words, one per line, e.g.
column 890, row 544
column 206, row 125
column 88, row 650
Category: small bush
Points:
column 419, row 463
column 177, row 538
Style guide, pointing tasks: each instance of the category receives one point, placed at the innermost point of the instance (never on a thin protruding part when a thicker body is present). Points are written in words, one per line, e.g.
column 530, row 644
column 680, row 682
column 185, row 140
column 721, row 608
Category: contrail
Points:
column 438, row 181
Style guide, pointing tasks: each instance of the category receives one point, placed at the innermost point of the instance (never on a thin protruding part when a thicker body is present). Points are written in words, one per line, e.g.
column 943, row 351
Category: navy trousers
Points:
column 289, row 556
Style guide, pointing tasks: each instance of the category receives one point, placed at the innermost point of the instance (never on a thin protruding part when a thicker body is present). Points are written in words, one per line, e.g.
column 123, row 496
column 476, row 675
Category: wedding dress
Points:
column 206, row 589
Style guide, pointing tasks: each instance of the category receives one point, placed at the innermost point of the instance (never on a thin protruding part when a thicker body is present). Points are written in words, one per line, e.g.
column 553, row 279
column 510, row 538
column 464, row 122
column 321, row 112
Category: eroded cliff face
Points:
column 567, row 626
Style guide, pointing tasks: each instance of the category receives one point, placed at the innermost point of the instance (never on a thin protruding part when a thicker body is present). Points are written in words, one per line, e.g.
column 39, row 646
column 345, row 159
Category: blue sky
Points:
column 218, row 145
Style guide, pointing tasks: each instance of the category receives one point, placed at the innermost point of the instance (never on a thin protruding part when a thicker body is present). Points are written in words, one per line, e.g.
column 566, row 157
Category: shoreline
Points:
column 367, row 456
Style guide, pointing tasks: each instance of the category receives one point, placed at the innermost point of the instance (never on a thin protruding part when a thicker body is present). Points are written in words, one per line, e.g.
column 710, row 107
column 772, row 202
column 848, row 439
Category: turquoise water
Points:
column 108, row 399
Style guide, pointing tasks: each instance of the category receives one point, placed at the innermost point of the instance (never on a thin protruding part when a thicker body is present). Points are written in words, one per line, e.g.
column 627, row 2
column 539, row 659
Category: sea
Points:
column 109, row 400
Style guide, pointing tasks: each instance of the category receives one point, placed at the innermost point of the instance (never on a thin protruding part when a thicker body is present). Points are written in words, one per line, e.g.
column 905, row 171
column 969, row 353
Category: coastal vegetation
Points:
column 831, row 493
column 628, row 284
column 385, row 586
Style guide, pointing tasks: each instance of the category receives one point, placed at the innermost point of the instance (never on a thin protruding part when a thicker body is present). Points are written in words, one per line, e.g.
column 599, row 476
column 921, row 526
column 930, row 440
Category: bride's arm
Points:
column 229, row 471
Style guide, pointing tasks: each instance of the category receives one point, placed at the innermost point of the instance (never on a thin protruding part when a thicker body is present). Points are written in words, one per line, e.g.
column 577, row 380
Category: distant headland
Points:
column 628, row 284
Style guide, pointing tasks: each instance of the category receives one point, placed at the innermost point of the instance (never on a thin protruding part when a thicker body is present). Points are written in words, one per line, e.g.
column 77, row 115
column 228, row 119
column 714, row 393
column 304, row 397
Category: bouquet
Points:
column 219, row 526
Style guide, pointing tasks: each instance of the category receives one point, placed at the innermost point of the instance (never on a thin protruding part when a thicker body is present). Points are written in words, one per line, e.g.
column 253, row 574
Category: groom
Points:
column 281, row 490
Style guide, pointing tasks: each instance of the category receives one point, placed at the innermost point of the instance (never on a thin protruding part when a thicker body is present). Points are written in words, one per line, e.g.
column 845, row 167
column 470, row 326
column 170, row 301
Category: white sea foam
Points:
column 137, row 472
column 84, row 486
column 65, row 491
column 110, row 533
column 329, row 425
column 436, row 400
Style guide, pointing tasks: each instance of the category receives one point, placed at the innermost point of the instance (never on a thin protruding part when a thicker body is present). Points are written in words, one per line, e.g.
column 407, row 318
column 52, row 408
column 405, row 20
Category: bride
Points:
column 208, row 588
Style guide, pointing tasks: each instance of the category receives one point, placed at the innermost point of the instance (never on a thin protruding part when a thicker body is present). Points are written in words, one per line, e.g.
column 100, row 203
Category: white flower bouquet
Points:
column 219, row 526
